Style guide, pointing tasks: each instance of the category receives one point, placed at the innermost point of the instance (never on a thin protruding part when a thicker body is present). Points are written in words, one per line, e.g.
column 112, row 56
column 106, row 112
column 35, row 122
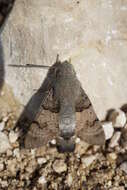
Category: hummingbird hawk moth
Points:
column 63, row 112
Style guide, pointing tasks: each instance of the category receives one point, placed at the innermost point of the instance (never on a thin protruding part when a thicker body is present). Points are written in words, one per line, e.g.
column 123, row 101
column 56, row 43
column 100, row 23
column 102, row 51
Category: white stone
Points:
column 42, row 180
column 118, row 118
column 33, row 152
column 81, row 147
column 41, row 160
column 115, row 139
column 4, row 143
column 108, row 129
column 12, row 166
column 9, row 152
column 123, row 167
column 53, row 142
column 2, row 125
column 1, row 166
column 16, row 152
column 13, row 137
column 88, row 160
column 59, row 166
column 4, row 183
column 69, row 180
column 112, row 156
column 97, row 47
column 5, row 119
column 77, row 140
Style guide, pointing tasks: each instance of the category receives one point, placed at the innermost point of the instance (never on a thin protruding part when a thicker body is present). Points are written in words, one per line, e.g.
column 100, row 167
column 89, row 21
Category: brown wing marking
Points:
column 43, row 130
column 45, row 125
column 89, row 128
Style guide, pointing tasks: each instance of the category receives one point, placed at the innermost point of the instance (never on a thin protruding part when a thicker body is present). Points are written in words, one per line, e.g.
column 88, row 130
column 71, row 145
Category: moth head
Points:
column 65, row 145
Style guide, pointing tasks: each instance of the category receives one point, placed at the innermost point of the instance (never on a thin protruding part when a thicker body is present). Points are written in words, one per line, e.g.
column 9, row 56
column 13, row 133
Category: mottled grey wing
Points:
column 89, row 128
column 45, row 126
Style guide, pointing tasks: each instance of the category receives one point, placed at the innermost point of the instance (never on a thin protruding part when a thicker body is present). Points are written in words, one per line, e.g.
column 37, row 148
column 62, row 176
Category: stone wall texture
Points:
column 92, row 33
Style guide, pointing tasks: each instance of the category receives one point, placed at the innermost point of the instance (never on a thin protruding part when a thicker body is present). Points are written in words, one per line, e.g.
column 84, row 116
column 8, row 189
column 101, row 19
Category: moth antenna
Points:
column 57, row 59
column 29, row 66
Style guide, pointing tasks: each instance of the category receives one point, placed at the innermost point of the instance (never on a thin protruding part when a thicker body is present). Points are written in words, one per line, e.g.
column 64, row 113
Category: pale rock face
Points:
column 4, row 143
column 92, row 34
column 108, row 129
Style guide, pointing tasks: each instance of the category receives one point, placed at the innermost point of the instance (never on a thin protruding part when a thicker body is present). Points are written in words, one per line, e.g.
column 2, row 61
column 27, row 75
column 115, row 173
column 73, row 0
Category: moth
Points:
column 65, row 112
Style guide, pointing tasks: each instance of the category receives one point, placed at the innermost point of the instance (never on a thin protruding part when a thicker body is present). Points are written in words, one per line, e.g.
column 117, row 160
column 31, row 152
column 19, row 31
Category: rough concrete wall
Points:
column 92, row 33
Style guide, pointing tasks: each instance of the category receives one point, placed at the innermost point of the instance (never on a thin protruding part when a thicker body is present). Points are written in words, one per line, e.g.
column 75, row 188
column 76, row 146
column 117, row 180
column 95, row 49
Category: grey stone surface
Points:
column 92, row 34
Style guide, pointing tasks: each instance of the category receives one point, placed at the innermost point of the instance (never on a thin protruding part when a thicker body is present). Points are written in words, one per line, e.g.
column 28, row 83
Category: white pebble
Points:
column 42, row 180
column 123, row 166
column 59, row 166
column 16, row 152
column 2, row 125
column 13, row 137
column 115, row 139
column 112, row 156
column 108, row 129
column 5, row 119
column 118, row 118
column 69, row 180
column 77, row 140
column 88, row 160
column 4, row 143
column 41, row 160
column 1, row 166
column 53, row 142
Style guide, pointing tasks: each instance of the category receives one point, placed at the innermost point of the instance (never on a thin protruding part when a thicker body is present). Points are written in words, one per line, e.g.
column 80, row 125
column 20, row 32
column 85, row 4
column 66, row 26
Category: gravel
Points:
column 88, row 167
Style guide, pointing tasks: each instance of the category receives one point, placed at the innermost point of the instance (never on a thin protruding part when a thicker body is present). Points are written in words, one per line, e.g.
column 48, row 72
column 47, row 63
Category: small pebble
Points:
column 1, row 167
column 2, row 125
column 81, row 147
column 123, row 167
column 88, row 160
column 77, row 140
column 16, row 152
column 53, row 142
column 69, row 180
column 5, row 119
column 4, row 143
column 59, row 166
column 108, row 129
column 112, row 156
column 13, row 137
column 41, row 161
column 9, row 152
column 115, row 139
column 118, row 118
column 4, row 184
column 42, row 180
